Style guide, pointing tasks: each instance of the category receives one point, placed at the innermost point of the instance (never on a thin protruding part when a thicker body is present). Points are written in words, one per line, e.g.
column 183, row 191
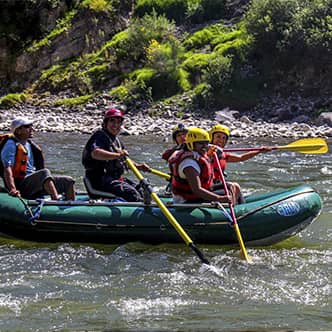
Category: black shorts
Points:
column 32, row 185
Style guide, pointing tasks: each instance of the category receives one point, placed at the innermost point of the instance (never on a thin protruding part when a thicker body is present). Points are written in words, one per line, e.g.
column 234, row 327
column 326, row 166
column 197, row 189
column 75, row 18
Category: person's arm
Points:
column 233, row 158
column 8, row 160
column 9, row 179
column 166, row 155
column 101, row 154
column 194, row 181
column 143, row 167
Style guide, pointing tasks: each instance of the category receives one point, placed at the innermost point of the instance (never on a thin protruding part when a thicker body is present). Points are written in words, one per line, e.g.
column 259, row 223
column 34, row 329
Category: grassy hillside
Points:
column 217, row 51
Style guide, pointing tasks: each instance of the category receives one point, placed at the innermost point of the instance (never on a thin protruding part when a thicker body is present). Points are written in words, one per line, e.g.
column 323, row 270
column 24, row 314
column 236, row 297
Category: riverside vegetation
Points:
column 267, row 59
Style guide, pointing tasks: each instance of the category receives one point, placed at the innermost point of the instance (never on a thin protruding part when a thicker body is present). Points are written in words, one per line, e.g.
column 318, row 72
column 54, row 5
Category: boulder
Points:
column 226, row 114
column 324, row 118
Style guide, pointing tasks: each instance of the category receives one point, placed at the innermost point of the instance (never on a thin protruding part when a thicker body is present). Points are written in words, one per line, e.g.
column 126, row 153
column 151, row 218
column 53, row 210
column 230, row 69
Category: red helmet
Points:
column 112, row 113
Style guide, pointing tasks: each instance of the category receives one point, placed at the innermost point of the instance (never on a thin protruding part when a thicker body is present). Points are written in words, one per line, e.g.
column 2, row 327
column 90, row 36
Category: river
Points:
column 139, row 287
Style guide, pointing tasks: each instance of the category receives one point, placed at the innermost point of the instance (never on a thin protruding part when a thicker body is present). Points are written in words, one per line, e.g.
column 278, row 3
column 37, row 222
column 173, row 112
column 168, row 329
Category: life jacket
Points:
column 21, row 156
column 181, row 186
column 222, row 156
column 98, row 168
column 21, row 161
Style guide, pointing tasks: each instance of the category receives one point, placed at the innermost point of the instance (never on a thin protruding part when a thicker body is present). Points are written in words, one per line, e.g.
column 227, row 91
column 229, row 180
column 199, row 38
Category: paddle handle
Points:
column 231, row 208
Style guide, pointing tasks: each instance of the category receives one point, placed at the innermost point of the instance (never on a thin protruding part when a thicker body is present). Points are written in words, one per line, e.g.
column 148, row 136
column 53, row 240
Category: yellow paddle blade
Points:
column 307, row 145
column 241, row 243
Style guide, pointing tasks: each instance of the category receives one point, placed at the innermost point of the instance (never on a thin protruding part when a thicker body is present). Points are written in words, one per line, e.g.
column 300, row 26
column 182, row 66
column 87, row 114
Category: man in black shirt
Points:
column 104, row 159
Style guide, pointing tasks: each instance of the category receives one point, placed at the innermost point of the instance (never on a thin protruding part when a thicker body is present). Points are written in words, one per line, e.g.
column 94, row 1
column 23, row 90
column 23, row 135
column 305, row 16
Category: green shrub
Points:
column 99, row 75
column 292, row 42
column 131, row 43
column 218, row 72
column 290, row 27
column 316, row 22
column 65, row 76
column 151, row 27
column 143, row 76
column 183, row 80
column 81, row 100
column 131, row 91
column 194, row 65
column 163, row 66
column 97, row 5
column 172, row 9
column 220, row 39
column 237, row 48
column 271, row 23
column 119, row 45
column 195, row 11
column 156, row 84
column 120, row 93
column 202, row 96
column 164, row 58
column 204, row 37
column 12, row 99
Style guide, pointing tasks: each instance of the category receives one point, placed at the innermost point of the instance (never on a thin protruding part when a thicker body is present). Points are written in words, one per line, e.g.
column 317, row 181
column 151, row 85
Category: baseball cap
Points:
column 19, row 122
column 113, row 112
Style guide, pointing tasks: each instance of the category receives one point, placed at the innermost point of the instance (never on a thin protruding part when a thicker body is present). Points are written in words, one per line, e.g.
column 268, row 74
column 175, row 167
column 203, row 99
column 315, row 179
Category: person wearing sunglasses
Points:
column 104, row 160
column 24, row 171
column 193, row 173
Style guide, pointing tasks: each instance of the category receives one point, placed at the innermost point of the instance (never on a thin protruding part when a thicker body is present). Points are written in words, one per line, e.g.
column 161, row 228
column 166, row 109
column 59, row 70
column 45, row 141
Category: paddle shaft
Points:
column 294, row 147
column 152, row 170
column 168, row 215
column 244, row 149
column 231, row 208
column 159, row 173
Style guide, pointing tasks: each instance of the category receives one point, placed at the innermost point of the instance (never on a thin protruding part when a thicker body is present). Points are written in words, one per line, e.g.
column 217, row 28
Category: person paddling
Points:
column 103, row 159
column 219, row 135
column 193, row 173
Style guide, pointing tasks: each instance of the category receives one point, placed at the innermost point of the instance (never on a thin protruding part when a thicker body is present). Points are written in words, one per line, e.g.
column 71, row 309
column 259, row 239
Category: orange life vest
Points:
column 181, row 186
column 21, row 161
column 21, row 157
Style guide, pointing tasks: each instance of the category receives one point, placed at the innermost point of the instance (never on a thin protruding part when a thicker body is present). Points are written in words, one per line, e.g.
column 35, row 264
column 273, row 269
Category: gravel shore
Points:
column 142, row 122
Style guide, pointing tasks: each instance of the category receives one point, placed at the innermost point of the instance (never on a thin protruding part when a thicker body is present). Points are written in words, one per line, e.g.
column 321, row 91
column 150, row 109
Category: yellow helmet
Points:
column 195, row 134
column 218, row 129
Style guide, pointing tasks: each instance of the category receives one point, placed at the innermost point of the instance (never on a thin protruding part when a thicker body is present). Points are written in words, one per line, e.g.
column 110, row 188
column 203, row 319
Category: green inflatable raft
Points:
column 264, row 219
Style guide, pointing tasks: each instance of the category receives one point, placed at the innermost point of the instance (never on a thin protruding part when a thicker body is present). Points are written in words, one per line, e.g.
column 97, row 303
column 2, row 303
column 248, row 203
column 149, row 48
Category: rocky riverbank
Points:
column 286, row 118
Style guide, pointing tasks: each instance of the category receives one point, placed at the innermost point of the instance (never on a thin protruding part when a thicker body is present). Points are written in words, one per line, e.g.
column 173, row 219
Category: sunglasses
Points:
column 202, row 142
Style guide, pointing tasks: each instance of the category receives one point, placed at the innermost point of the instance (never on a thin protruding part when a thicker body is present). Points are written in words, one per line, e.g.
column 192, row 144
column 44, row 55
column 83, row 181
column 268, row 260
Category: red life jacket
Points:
column 181, row 186
column 222, row 156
